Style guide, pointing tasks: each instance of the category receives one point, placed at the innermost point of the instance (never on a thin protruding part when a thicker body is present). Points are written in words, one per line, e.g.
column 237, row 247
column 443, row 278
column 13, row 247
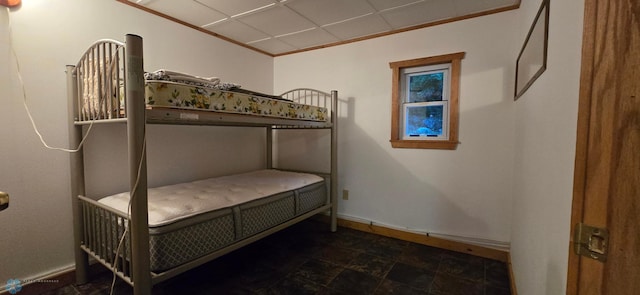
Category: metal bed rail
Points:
column 308, row 96
column 106, row 237
column 100, row 82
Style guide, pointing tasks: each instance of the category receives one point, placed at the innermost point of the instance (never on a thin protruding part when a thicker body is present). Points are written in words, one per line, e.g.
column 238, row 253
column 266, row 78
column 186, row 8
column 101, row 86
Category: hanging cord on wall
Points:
column 79, row 148
column 114, row 269
column 24, row 99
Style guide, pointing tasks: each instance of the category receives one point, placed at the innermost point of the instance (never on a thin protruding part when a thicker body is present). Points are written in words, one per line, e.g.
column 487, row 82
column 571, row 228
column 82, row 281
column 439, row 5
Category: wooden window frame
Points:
column 455, row 59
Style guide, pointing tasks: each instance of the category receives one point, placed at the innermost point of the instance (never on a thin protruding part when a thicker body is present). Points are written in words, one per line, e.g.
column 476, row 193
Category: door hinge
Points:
column 591, row 241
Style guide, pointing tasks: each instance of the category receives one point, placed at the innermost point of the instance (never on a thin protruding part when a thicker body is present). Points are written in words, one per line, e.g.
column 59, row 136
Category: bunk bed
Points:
column 142, row 234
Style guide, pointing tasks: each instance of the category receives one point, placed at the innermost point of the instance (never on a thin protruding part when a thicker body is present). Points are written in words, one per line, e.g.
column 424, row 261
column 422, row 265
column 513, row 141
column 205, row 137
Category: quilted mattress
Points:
column 167, row 94
column 182, row 96
column 191, row 220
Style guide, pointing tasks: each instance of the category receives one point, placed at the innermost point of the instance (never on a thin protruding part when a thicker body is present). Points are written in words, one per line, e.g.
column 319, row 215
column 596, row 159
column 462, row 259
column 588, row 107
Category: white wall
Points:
column 466, row 192
column 546, row 117
column 36, row 229
column 509, row 180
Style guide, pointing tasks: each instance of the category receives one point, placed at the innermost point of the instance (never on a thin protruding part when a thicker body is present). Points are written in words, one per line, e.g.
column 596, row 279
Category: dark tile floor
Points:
column 308, row 259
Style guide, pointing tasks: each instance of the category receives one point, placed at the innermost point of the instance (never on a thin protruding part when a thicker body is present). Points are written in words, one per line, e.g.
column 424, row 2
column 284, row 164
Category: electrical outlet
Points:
column 345, row 194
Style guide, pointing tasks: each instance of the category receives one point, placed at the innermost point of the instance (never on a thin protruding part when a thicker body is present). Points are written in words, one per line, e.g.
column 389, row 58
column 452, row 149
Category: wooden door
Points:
column 607, row 167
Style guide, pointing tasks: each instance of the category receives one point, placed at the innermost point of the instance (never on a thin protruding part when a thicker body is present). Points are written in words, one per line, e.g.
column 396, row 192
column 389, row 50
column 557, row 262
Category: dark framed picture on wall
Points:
column 532, row 60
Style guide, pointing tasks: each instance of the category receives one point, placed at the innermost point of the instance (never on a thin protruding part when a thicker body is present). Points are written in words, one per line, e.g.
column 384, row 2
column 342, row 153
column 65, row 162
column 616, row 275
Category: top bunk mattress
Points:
column 100, row 82
column 183, row 96
column 168, row 204
column 174, row 95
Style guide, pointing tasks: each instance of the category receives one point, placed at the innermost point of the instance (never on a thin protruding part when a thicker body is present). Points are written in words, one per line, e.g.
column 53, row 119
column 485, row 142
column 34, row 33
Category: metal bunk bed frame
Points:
column 136, row 115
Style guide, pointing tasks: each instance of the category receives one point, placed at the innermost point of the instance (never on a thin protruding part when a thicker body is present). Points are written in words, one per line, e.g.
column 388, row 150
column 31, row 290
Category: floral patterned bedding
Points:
column 175, row 95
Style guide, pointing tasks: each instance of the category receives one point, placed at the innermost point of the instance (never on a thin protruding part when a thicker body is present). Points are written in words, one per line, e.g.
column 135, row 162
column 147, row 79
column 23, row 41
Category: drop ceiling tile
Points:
column 275, row 26
column 276, row 21
column 501, row 3
column 464, row 7
column 188, row 11
column 330, row 11
column 237, row 31
column 359, row 27
column 309, row 38
column 234, row 7
column 386, row 4
column 273, row 46
column 470, row 6
column 419, row 13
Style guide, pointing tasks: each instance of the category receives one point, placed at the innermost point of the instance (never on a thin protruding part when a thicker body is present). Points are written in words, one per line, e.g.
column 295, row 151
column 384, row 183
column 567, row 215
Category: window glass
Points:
column 427, row 86
column 426, row 120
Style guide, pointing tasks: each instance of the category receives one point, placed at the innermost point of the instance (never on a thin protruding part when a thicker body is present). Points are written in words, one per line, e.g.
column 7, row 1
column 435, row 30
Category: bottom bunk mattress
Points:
column 190, row 220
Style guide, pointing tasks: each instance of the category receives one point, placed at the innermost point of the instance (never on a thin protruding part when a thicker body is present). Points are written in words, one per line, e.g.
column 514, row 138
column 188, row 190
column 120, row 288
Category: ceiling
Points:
column 277, row 27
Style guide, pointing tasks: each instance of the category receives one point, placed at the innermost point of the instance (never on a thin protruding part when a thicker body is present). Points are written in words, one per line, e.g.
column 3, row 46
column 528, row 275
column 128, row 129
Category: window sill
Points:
column 425, row 144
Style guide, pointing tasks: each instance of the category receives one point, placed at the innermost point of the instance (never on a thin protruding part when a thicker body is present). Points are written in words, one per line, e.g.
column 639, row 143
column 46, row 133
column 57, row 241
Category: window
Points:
column 425, row 102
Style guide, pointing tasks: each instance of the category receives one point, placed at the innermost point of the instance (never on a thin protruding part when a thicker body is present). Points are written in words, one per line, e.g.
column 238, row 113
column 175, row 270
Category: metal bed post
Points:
column 77, row 178
column 269, row 147
column 136, row 128
column 334, row 160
